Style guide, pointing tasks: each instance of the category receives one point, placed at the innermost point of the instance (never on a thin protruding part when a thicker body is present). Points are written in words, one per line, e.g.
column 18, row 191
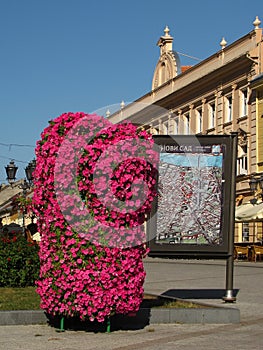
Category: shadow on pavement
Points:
column 197, row 293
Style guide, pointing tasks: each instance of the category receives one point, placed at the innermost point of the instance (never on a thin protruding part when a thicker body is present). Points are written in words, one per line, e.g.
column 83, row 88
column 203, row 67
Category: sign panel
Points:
column 191, row 215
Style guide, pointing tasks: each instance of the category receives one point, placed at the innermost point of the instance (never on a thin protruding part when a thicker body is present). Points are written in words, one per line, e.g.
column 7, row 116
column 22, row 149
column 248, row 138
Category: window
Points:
column 162, row 76
column 228, row 109
column 186, row 124
column 243, row 103
column 242, row 163
column 245, row 231
column 212, row 115
column 198, row 120
column 163, row 127
column 176, row 125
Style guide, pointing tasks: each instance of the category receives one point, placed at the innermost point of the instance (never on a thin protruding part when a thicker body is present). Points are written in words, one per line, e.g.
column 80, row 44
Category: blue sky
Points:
column 82, row 55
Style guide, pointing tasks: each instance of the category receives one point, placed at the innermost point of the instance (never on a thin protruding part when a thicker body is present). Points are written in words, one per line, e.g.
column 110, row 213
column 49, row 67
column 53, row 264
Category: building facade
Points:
column 219, row 95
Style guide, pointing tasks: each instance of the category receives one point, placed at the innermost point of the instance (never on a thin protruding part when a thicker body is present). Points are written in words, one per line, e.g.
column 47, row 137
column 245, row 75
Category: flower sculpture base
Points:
column 94, row 185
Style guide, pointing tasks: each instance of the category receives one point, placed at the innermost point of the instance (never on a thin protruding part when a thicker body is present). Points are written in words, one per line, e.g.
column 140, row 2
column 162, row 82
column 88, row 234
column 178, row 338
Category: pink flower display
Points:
column 94, row 186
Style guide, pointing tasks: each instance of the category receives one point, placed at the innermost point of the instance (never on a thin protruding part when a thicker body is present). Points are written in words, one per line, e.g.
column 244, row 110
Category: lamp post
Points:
column 11, row 170
column 256, row 186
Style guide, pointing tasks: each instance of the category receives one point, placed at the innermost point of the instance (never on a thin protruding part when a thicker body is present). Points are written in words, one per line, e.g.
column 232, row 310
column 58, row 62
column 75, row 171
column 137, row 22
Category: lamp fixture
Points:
column 11, row 170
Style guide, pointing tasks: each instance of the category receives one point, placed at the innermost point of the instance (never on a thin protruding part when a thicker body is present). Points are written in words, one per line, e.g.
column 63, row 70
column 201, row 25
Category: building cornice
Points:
column 241, row 53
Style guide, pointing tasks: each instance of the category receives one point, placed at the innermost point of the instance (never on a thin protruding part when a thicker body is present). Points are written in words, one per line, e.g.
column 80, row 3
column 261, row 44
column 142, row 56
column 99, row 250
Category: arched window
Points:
column 162, row 75
column 199, row 120
column 186, row 124
column 211, row 115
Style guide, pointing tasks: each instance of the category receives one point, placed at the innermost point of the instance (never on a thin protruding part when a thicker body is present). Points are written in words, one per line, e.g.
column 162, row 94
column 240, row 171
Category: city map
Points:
column 189, row 209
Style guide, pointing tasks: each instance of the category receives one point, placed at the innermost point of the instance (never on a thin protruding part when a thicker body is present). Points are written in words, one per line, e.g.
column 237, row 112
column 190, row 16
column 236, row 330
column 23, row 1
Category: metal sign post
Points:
column 229, row 296
column 194, row 213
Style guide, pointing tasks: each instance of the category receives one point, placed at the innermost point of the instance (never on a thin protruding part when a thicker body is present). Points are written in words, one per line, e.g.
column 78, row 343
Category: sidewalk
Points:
column 203, row 281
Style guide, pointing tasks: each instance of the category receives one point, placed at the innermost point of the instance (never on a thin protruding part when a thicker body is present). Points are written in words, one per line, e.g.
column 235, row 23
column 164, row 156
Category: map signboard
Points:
column 192, row 214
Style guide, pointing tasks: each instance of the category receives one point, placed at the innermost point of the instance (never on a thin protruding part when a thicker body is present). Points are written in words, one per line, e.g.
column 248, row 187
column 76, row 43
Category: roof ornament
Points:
column 122, row 105
column 223, row 43
column 166, row 31
column 257, row 23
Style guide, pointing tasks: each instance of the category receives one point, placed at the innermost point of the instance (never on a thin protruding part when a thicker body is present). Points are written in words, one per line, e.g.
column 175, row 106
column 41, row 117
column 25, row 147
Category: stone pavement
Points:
column 202, row 281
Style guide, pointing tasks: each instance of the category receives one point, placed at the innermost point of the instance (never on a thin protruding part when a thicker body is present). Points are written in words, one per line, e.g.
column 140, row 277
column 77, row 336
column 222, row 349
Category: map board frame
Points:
column 207, row 234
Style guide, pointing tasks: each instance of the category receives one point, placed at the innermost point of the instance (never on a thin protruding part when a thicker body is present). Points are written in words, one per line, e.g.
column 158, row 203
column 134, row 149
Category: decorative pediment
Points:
column 168, row 65
column 242, row 137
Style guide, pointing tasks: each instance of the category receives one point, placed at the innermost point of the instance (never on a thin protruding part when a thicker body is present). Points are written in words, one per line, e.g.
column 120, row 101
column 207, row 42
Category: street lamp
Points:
column 11, row 170
column 256, row 186
column 29, row 171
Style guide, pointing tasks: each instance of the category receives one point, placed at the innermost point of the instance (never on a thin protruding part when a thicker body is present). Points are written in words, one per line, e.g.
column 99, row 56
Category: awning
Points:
column 249, row 212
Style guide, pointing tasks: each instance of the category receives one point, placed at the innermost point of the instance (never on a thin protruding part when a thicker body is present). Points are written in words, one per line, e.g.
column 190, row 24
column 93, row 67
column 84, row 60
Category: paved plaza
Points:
column 202, row 281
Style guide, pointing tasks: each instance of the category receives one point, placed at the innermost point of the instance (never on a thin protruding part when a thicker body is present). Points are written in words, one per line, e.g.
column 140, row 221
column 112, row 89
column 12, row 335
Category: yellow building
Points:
column 219, row 95
column 257, row 87
column 9, row 212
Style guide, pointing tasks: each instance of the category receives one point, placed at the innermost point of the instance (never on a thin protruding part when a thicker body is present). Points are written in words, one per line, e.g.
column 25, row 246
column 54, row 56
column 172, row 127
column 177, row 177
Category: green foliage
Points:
column 19, row 262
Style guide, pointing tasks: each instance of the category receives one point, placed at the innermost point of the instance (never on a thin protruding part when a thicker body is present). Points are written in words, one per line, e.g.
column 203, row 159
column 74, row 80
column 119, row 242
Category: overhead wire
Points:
column 15, row 160
column 184, row 54
column 10, row 145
